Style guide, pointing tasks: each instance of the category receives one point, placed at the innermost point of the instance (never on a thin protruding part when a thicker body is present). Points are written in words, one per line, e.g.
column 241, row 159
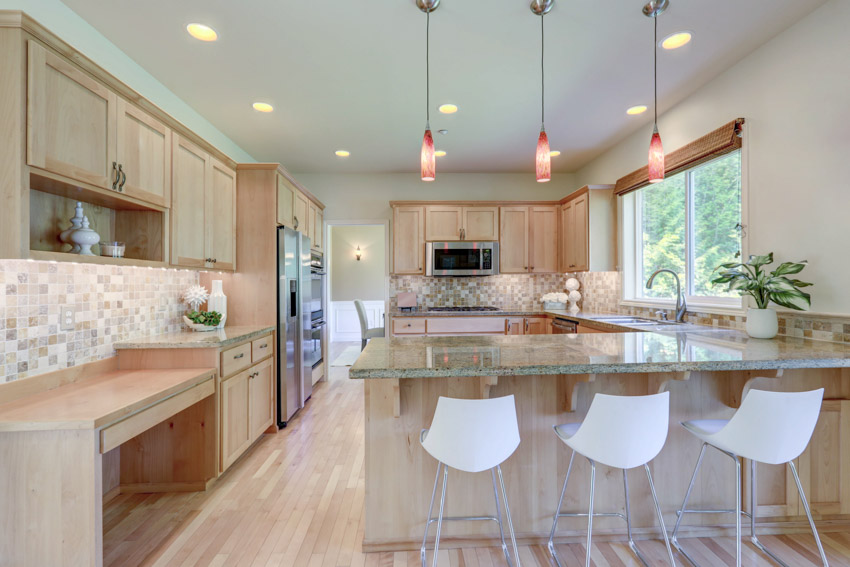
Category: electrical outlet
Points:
column 67, row 318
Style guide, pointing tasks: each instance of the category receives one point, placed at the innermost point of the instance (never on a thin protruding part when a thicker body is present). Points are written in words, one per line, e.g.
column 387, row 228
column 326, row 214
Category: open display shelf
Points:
column 114, row 217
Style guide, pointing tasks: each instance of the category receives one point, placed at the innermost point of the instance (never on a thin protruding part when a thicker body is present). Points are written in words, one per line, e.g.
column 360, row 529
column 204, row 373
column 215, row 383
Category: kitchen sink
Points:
column 621, row 320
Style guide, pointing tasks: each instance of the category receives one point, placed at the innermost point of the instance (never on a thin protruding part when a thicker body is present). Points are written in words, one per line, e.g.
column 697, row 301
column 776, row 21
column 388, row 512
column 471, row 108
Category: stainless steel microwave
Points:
column 461, row 258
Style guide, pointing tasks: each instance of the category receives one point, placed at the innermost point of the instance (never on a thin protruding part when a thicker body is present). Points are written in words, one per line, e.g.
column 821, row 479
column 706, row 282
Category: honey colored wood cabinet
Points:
column 316, row 226
column 513, row 241
column 221, row 217
column 455, row 222
column 261, row 390
column 235, row 419
column 143, row 155
column 203, row 213
column 515, row 326
column 537, row 326
column 189, row 181
column 574, row 240
column 543, row 239
column 301, row 214
column 285, row 201
column 70, row 120
column 443, row 223
column 408, row 240
column 588, row 230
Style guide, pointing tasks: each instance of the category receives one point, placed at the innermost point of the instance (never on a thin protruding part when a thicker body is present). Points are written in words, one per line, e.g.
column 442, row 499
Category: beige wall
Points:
column 352, row 279
column 367, row 196
column 794, row 92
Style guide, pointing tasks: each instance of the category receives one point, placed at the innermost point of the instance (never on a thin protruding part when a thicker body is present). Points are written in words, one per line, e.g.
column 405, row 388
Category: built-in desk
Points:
column 52, row 445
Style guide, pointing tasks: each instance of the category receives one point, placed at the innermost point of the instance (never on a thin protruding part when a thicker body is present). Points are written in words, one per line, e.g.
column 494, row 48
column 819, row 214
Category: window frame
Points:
column 630, row 251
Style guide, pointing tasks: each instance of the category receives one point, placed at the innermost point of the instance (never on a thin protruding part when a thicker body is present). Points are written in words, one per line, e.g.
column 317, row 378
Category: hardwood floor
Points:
column 296, row 498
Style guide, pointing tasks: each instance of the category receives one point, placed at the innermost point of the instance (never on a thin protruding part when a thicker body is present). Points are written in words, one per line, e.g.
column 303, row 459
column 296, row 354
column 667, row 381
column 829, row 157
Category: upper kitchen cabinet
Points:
column 316, row 227
column 80, row 130
column 143, row 155
column 542, row 239
column 454, row 222
column 285, row 201
column 513, row 242
column 408, row 240
column 203, row 215
column 588, row 230
column 301, row 214
column 70, row 120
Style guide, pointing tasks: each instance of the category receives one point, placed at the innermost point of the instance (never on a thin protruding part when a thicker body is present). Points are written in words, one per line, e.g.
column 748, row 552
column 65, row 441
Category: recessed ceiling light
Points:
column 676, row 40
column 202, row 32
column 443, row 131
column 440, row 153
column 555, row 153
column 639, row 109
column 342, row 153
column 263, row 107
column 448, row 108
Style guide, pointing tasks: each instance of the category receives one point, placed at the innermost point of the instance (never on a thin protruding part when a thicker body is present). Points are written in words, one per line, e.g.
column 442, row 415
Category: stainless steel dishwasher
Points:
column 564, row 326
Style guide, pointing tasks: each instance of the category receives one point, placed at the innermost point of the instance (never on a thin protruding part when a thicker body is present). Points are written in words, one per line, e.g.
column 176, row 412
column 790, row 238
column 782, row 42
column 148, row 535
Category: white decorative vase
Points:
column 762, row 323
column 84, row 238
column 218, row 302
column 76, row 224
column 574, row 297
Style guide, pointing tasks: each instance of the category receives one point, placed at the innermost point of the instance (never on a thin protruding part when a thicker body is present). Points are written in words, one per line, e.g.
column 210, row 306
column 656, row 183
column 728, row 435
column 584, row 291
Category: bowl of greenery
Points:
column 202, row 320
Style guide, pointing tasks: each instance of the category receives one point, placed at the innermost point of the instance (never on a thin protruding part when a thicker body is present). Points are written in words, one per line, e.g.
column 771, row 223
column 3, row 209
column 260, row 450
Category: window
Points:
column 690, row 223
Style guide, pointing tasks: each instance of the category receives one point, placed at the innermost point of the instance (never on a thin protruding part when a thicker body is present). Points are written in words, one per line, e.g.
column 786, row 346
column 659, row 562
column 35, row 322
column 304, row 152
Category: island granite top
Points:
column 701, row 348
column 194, row 339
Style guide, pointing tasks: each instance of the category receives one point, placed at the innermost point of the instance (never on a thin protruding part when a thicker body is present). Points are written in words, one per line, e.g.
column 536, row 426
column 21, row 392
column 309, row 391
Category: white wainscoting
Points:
column 345, row 325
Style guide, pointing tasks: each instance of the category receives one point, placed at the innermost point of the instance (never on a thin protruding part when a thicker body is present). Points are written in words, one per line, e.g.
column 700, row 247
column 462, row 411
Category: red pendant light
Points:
column 543, row 161
column 544, row 158
column 655, row 163
column 428, row 161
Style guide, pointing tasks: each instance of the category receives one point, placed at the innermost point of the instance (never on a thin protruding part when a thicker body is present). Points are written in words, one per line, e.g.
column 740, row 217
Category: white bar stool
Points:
column 472, row 436
column 622, row 432
column 769, row 427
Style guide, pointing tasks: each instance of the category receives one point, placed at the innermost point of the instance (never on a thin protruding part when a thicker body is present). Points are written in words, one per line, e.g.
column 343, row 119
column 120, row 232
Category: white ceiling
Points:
column 351, row 75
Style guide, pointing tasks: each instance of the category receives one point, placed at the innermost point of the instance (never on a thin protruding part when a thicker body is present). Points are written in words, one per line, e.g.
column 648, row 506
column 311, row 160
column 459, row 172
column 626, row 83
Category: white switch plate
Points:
column 67, row 318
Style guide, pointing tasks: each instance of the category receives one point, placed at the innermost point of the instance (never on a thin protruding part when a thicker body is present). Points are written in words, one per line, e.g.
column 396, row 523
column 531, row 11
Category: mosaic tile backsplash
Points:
column 518, row 291
column 112, row 303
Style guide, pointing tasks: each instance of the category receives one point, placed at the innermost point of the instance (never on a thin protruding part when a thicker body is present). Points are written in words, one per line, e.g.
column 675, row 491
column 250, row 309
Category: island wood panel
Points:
column 400, row 475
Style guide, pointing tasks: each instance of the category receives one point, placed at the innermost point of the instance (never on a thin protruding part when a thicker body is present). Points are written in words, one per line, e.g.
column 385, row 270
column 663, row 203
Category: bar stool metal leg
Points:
column 552, row 551
column 508, row 514
column 660, row 515
column 737, row 511
column 680, row 514
column 808, row 513
column 422, row 552
column 590, row 512
column 440, row 517
column 499, row 516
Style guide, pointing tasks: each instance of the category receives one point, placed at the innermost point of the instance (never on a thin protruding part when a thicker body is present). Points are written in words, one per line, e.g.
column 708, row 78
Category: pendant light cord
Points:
column 655, row 68
column 428, row 67
column 542, row 76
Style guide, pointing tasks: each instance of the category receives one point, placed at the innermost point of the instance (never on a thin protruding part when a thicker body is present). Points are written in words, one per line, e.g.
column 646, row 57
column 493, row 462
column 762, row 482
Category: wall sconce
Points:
column 358, row 253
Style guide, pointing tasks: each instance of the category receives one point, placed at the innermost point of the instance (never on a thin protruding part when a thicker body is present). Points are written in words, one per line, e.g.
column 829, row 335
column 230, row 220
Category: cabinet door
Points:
column 314, row 220
column 235, row 425
column 537, row 326
column 514, row 326
column 70, row 120
column 261, row 393
column 481, row 223
column 513, row 241
column 543, row 239
column 144, row 154
column 408, row 240
column 221, row 217
column 189, row 173
column 580, row 234
column 320, row 230
column 443, row 223
column 824, row 466
column 566, row 237
column 301, row 214
column 285, row 201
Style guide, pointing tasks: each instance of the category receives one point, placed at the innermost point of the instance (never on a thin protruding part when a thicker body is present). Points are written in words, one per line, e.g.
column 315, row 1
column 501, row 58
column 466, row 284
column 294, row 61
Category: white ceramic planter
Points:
column 200, row 327
column 762, row 323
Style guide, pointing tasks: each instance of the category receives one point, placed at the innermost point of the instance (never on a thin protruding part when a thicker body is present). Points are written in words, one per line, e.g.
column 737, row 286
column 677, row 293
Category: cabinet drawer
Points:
column 466, row 325
column 126, row 429
column 261, row 348
column 408, row 326
column 235, row 359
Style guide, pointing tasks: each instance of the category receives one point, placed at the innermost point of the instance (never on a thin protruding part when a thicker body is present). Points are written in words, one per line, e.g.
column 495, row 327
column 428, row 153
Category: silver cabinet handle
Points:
column 240, row 355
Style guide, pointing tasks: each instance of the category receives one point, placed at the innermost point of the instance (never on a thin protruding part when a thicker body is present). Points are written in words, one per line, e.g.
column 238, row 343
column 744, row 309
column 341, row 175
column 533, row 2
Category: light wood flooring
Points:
column 296, row 498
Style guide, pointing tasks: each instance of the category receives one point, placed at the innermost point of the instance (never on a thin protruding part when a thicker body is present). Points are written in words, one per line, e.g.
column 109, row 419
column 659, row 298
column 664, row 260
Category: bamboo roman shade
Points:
column 724, row 140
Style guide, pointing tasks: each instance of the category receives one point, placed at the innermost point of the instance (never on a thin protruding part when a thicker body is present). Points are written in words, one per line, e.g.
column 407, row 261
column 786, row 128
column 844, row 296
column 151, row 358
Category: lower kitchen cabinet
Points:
column 529, row 326
column 261, row 389
column 235, row 426
column 470, row 326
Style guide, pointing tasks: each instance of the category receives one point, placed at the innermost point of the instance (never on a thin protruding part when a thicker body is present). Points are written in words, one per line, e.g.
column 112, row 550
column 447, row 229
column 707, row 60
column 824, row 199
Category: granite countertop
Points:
column 705, row 349
column 192, row 339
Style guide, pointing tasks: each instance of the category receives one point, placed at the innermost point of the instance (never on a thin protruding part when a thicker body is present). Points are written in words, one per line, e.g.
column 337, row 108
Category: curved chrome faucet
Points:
column 681, row 304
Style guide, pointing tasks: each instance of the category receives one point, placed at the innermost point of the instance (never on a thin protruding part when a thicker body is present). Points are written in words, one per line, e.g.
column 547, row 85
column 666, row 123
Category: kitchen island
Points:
column 707, row 372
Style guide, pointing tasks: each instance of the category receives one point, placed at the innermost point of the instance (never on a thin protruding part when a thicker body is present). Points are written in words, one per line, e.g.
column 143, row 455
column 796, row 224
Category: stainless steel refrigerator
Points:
column 294, row 328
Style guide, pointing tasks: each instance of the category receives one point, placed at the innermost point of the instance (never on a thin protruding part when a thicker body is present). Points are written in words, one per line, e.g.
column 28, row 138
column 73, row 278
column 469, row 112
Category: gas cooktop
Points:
column 472, row 308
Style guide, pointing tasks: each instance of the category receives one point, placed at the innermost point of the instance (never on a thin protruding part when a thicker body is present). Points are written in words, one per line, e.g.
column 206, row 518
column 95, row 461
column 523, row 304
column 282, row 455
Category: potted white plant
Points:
column 750, row 279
